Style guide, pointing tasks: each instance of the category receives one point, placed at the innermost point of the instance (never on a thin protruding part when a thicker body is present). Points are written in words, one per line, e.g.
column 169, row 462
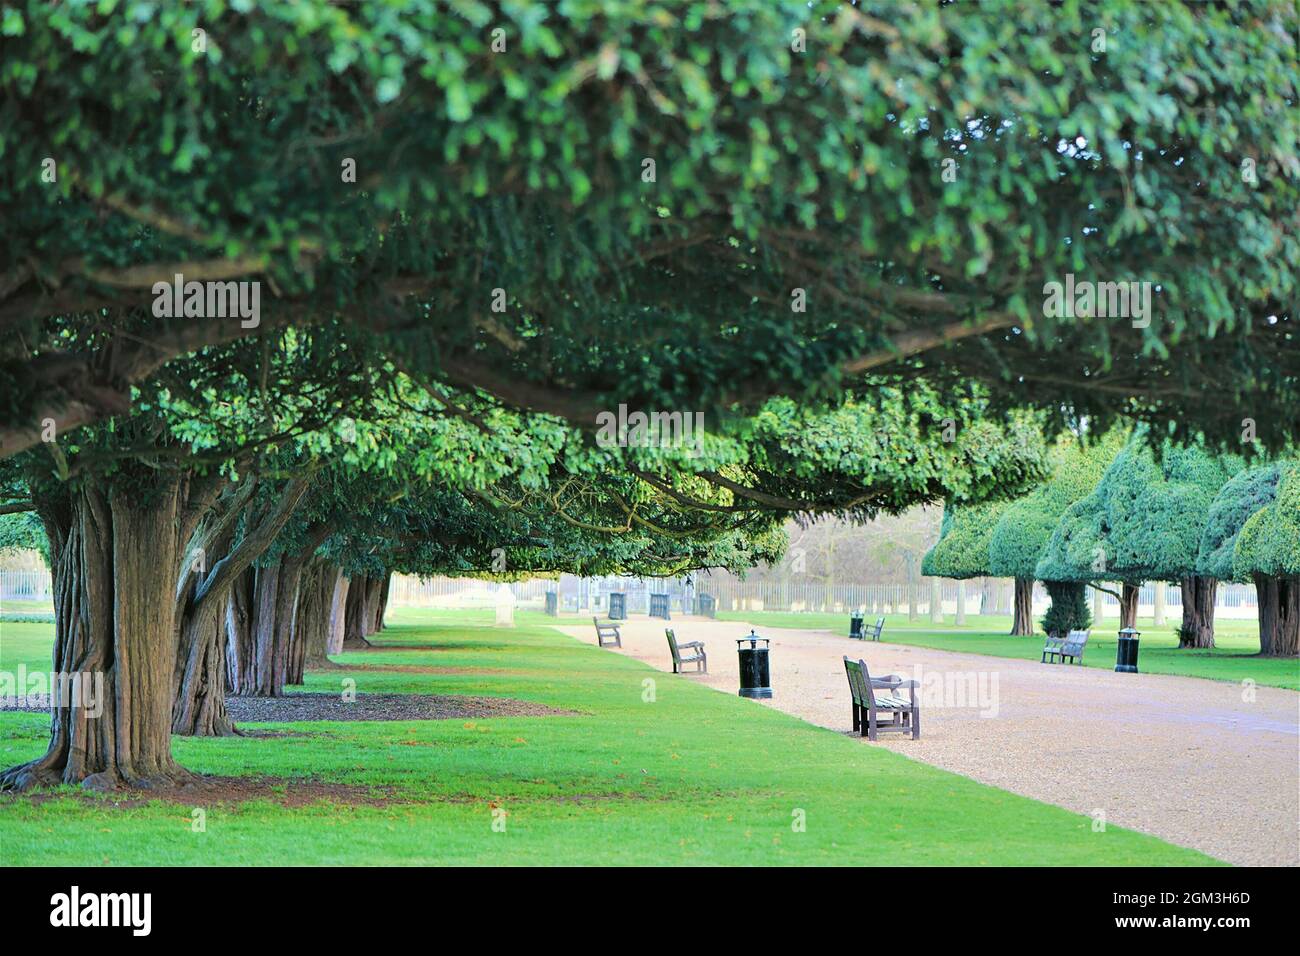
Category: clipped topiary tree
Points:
column 1143, row 522
column 1017, row 541
column 1076, row 554
column 1268, row 552
column 962, row 551
column 1068, row 610
column 1245, row 494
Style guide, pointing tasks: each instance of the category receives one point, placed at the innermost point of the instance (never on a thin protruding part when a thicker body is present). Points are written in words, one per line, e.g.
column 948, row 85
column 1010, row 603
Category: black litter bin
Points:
column 552, row 604
column 855, row 627
column 705, row 605
column 617, row 607
column 1126, row 654
column 755, row 677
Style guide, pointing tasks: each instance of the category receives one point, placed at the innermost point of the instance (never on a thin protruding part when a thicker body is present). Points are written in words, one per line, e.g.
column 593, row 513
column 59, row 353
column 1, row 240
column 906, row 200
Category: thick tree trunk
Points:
column 1098, row 607
column 239, row 631
column 381, row 603
column 338, row 615
column 1128, row 605
column 262, row 674
column 1159, row 611
column 1198, row 612
column 354, row 615
column 960, row 619
column 115, row 566
column 936, row 601
column 258, row 655
column 286, row 650
column 374, row 621
column 260, row 636
column 1022, row 624
column 1279, row 615
column 312, row 629
column 199, row 707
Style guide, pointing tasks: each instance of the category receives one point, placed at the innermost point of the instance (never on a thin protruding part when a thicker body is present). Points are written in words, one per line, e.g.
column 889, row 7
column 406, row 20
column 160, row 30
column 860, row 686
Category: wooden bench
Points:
column 1057, row 649
column 904, row 713
column 699, row 658
column 877, row 628
column 607, row 633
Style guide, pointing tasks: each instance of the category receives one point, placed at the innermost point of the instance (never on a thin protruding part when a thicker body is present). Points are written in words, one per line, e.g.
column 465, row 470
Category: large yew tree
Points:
column 674, row 205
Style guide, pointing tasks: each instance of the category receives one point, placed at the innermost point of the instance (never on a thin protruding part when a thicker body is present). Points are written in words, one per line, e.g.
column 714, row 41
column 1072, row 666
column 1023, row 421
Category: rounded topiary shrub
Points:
column 1069, row 610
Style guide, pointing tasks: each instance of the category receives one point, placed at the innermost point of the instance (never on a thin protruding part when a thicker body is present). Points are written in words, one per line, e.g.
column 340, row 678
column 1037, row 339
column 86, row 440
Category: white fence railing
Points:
column 25, row 586
column 1231, row 600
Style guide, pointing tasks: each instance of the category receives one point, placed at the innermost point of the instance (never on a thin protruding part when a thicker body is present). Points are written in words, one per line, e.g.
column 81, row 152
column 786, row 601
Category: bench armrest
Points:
column 680, row 645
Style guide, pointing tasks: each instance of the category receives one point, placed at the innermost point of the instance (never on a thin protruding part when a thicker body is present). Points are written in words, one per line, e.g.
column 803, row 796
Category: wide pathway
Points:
column 1200, row 763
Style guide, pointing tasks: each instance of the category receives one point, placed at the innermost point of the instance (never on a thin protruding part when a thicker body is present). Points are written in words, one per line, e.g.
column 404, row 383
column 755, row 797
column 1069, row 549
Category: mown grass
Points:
column 1235, row 656
column 653, row 769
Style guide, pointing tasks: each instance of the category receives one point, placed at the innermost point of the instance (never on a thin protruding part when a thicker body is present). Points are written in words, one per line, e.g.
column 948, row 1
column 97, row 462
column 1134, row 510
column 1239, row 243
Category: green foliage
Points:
column 522, row 171
column 1144, row 520
column 1243, row 495
column 1068, row 610
column 962, row 550
column 1021, row 534
column 884, row 452
column 1269, row 542
column 23, row 532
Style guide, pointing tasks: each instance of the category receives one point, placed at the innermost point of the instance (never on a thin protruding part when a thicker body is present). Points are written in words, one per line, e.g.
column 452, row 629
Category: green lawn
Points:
column 1234, row 658
column 693, row 777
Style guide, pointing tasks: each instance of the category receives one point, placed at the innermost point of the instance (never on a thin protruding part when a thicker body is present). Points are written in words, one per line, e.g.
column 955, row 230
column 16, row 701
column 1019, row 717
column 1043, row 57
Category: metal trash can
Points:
column 755, row 676
column 1126, row 654
column 855, row 627
column 552, row 604
column 617, row 606
column 659, row 606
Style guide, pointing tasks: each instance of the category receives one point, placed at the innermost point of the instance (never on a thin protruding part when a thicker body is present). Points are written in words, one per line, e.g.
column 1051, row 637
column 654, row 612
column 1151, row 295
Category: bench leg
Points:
column 857, row 718
column 871, row 725
column 916, row 724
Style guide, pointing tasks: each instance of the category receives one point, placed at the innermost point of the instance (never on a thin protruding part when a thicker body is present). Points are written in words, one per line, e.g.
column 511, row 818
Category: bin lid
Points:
column 752, row 639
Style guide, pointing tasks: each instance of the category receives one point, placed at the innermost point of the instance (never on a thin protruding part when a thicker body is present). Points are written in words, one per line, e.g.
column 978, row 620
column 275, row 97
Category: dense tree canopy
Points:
column 1017, row 541
column 680, row 206
column 1144, row 519
column 1144, row 522
column 1243, row 495
column 1268, row 552
column 962, row 550
column 1269, row 542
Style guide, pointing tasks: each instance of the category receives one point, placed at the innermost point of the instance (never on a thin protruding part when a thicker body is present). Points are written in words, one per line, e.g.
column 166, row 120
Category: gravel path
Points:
column 1184, row 759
